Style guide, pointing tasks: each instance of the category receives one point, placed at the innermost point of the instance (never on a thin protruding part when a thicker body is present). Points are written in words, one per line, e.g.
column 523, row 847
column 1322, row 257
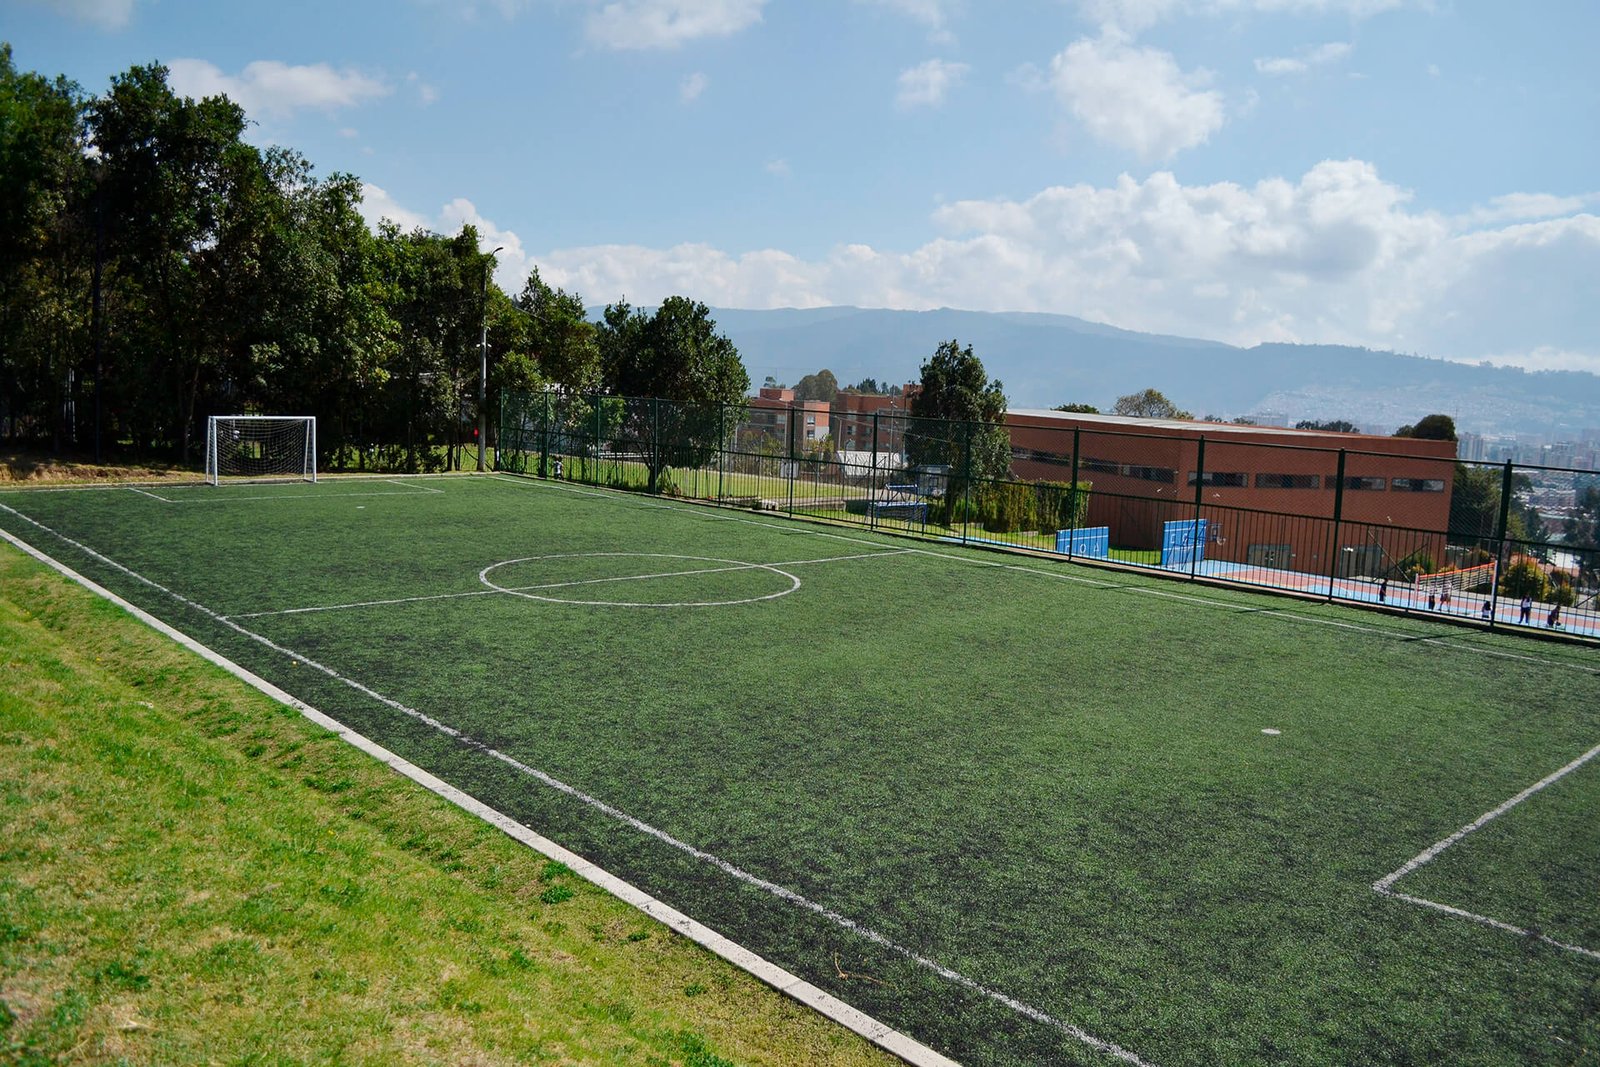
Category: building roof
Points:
column 1278, row 434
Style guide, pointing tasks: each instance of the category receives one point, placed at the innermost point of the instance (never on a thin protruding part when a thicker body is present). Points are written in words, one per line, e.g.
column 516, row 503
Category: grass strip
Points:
column 191, row 872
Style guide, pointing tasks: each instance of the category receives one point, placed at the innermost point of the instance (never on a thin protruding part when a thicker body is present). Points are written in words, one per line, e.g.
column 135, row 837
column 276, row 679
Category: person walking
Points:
column 1553, row 620
column 1527, row 609
column 1383, row 590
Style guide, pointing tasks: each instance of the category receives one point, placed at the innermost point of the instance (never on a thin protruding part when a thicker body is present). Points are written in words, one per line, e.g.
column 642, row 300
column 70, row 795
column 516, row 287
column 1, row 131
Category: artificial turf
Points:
column 1032, row 803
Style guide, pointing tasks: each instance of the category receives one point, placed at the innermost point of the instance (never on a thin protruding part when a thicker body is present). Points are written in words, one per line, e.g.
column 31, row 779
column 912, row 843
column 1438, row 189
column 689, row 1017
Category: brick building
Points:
column 1268, row 495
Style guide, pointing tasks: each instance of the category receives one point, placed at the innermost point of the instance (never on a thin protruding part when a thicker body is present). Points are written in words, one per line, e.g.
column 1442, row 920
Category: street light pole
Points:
column 483, row 364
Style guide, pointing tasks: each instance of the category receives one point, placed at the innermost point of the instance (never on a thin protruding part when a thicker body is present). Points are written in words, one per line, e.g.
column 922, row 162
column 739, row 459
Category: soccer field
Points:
column 1024, row 811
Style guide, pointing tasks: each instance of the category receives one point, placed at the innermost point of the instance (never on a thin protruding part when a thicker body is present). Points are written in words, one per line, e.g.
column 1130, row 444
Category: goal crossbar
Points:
column 261, row 447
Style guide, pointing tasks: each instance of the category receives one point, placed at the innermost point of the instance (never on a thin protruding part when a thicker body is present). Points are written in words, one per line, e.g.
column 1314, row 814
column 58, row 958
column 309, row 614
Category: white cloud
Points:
column 1521, row 207
column 692, row 86
column 926, row 84
column 1132, row 16
column 1337, row 255
column 511, row 265
column 276, row 90
column 1135, row 98
column 1308, row 58
column 426, row 93
column 644, row 24
column 107, row 14
column 778, row 168
column 934, row 14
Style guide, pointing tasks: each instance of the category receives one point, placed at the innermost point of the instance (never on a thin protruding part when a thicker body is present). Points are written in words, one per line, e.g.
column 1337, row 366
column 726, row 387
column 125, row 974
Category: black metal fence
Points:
column 1411, row 529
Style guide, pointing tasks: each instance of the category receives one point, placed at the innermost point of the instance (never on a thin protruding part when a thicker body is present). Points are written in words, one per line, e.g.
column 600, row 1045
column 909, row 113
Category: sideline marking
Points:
column 1384, row 885
column 845, row 1014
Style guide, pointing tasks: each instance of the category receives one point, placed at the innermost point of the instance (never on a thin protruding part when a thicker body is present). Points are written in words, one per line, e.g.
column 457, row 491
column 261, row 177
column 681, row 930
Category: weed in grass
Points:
column 554, row 869
column 556, row 894
column 639, row 935
column 694, row 989
column 697, row 1054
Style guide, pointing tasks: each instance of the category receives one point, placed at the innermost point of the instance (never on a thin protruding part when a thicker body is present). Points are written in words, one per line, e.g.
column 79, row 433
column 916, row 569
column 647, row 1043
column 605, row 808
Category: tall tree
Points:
column 560, row 336
column 1430, row 428
column 959, row 416
column 819, row 386
column 169, row 169
column 1148, row 404
column 44, row 251
column 1328, row 425
column 676, row 355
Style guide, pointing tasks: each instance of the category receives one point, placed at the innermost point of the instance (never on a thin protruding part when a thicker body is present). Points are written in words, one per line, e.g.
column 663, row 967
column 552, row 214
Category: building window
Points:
column 811, row 420
column 1129, row 470
column 850, row 429
column 1355, row 482
column 1233, row 479
column 1287, row 481
column 1417, row 485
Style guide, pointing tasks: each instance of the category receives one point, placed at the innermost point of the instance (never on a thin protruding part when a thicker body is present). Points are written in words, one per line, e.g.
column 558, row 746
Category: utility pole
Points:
column 483, row 365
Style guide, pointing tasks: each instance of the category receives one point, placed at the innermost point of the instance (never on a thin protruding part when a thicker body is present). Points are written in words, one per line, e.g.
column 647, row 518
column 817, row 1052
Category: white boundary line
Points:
column 1385, row 885
column 879, row 1034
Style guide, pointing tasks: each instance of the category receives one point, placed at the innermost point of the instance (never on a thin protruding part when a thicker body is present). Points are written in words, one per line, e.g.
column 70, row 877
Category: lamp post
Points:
column 483, row 365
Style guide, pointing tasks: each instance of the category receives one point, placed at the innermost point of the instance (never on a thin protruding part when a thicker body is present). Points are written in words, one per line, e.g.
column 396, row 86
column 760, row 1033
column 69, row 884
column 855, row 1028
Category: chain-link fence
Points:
column 1410, row 528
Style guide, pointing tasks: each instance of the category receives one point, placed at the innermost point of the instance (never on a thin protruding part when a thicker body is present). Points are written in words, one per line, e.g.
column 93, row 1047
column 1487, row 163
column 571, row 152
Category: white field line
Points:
column 781, row 892
column 410, row 490
column 424, row 488
column 152, row 496
column 554, row 585
column 1385, row 884
column 711, row 514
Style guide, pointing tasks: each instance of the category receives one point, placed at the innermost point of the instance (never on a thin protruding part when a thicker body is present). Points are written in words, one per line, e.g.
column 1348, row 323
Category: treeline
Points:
column 156, row 269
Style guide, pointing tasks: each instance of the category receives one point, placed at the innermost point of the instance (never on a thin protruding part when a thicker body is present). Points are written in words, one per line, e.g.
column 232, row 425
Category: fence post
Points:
column 1502, row 555
column 966, row 480
column 1334, row 551
column 794, row 467
column 1072, row 515
column 872, row 479
column 1199, row 497
column 722, row 446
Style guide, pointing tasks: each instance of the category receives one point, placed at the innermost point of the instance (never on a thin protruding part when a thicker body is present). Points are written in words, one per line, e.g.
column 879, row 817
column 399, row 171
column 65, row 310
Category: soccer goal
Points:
column 1465, row 580
column 261, row 447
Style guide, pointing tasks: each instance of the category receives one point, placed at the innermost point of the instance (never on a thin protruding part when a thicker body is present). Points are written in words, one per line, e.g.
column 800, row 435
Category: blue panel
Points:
column 1183, row 542
column 1092, row 541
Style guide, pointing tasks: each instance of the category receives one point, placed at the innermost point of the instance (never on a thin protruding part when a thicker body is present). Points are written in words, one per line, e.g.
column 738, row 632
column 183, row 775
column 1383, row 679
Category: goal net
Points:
column 261, row 447
column 1465, row 580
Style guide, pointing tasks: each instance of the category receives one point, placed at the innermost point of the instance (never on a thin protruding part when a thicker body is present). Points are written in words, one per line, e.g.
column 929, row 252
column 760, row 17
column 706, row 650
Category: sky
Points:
column 1414, row 175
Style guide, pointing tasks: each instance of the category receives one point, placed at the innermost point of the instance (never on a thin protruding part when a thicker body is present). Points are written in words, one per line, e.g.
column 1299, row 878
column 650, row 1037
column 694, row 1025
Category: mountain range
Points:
column 1044, row 360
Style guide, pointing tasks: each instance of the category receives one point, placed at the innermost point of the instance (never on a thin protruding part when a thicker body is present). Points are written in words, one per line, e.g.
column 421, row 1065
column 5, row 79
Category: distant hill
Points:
column 1045, row 360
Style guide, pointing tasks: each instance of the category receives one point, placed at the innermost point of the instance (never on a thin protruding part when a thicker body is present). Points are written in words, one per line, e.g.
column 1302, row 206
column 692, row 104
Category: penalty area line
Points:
column 1385, row 886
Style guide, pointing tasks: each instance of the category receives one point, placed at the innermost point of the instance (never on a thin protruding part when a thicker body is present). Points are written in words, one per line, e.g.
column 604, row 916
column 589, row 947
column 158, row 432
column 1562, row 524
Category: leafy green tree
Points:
column 677, row 355
column 1148, row 404
column 1525, row 578
column 1430, row 428
column 1327, row 426
column 560, row 336
column 1082, row 409
column 171, row 171
column 819, row 386
column 44, row 265
column 958, row 420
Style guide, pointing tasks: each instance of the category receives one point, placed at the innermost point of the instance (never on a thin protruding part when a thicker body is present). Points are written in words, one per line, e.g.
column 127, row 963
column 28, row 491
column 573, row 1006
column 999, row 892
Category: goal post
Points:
column 261, row 448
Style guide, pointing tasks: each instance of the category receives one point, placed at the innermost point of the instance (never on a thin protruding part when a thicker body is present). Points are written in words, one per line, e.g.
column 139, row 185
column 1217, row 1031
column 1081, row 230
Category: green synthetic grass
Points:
column 1049, row 779
column 193, row 873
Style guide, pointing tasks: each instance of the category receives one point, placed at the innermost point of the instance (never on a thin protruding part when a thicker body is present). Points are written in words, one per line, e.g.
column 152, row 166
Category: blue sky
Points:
column 1409, row 174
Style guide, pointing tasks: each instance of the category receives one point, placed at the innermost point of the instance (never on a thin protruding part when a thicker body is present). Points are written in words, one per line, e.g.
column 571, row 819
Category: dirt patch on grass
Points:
column 25, row 467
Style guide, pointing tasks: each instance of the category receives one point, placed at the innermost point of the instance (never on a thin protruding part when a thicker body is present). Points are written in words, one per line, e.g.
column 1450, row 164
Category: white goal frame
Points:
column 291, row 455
